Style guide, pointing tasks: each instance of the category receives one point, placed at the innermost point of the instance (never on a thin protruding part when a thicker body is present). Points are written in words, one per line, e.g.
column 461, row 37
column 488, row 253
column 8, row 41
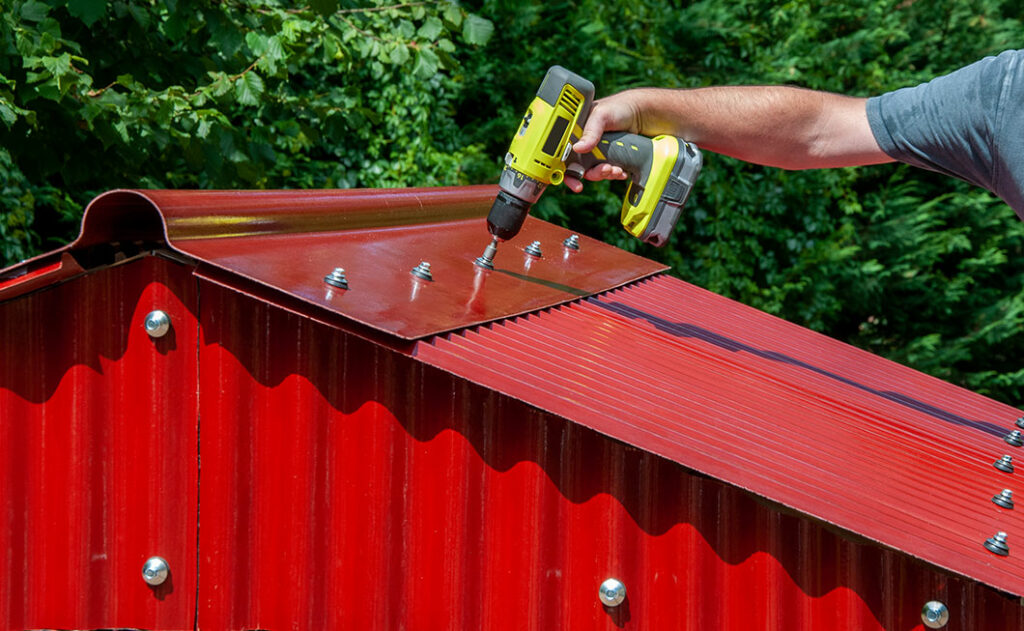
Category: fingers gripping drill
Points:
column 662, row 170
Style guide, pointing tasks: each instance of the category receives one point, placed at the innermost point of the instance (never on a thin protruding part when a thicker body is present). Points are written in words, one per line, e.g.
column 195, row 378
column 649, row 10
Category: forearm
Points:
column 777, row 126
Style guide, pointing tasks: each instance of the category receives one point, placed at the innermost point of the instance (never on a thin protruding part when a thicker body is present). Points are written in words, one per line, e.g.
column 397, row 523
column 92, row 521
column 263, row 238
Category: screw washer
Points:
column 997, row 544
column 422, row 271
column 1004, row 499
column 1014, row 438
column 337, row 278
column 1004, row 464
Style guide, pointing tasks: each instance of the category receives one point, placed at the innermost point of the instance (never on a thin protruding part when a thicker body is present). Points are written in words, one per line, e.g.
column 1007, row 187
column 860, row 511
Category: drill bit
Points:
column 486, row 260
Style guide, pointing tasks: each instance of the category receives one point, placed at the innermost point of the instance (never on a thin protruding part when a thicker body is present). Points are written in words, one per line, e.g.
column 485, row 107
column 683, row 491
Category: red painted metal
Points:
column 289, row 240
column 821, row 427
column 346, row 485
column 487, row 478
column 98, row 465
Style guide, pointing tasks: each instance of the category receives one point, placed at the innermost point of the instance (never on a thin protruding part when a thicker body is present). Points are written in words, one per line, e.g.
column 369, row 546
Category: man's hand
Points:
column 778, row 126
column 618, row 112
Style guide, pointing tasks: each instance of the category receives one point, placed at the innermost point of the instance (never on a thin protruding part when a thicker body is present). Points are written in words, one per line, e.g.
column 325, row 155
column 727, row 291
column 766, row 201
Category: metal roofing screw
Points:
column 1014, row 438
column 997, row 544
column 612, row 592
column 1004, row 464
column 337, row 278
column 1020, row 422
column 572, row 242
column 157, row 323
column 533, row 249
column 155, row 571
column 1004, row 499
column 935, row 615
column 422, row 271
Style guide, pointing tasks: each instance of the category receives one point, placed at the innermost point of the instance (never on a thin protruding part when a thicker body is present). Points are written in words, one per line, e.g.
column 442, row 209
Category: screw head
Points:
column 572, row 242
column 996, row 544
column 157, row 323
column 934, row 614
column 422, row 271
column 1004, row 464
column 1014, row 438
column 337, row 278
column 533, row 249
column 155, row 571
column 1020, row 422
column 612, row 592
column 1004, row 499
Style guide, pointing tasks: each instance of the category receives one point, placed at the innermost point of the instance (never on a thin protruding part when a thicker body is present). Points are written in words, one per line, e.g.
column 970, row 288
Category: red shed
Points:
column 246, row 410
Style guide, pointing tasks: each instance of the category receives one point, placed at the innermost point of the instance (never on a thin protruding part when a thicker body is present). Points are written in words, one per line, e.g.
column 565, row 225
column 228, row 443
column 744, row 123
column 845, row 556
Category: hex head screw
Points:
column 422, row 271
column 337, row 278
column 1004, row 499
column 533, row 249
column 996, row 544
column 1014, row 438
column 1004, row 464
column 572, row 242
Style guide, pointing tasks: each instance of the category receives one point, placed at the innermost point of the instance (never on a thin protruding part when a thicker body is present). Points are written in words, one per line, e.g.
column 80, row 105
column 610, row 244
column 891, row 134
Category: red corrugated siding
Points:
column 344, row 485
column 834, row 432
column 98, row 452
column 348, row 486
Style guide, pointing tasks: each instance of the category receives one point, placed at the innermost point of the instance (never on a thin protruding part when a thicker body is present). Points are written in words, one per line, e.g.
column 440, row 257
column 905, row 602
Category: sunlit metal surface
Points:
column 831, row 431
column 98, row 461
column 733, row 471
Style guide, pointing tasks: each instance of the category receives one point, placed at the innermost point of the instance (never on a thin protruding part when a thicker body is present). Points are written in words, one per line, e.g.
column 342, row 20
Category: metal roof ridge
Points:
column 202, row 214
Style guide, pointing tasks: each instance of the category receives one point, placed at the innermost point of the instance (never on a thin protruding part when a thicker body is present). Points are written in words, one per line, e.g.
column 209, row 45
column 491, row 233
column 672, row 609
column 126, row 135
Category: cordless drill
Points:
column 662, row 170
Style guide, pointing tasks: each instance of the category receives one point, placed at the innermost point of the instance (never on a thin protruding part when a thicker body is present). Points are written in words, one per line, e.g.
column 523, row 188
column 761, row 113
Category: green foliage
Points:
column 918, row 267
column 240, row 94
column 924, row 269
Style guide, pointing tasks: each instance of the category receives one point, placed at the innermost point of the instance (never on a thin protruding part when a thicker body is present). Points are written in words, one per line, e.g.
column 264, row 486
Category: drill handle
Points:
column 632, row 152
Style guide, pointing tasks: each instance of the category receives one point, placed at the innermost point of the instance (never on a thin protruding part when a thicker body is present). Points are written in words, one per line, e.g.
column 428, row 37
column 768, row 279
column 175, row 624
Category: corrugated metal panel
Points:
column 345, row 485
column 98, row 466
column 287, row 241
column 831, row 431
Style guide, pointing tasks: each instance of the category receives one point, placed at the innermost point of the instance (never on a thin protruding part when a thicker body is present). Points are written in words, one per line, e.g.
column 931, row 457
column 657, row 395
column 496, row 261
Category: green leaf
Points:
column 249, row 88
column 58, row 66
column 426, row 64
column 34, row 11
column 477, row 30
column 7, row 114
column 399, row 54
column 257, row 42
column 453, row 14
column 430, row 29
column 88, row 11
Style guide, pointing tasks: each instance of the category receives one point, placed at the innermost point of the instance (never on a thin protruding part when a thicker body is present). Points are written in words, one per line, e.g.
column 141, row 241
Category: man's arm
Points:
column 776, row 126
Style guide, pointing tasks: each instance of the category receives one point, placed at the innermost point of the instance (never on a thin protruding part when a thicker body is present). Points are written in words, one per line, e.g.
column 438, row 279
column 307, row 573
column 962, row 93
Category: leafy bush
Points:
column 921, row 268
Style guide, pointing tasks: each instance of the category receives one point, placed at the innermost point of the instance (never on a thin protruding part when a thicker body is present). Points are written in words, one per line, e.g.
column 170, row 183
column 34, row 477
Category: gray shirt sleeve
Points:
column 969, row 124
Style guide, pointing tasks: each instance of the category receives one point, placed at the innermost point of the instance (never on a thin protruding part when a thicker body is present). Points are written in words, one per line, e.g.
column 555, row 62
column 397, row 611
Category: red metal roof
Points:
column 834, row 432
column 290, row 240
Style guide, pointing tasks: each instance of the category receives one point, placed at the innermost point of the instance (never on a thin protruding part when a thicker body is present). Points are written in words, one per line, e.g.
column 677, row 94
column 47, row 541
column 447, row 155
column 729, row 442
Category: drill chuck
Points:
column 507, row 216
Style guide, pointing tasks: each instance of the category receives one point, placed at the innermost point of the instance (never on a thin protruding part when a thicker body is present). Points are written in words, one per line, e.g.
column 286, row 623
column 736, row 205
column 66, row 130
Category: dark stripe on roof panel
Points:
column 832, row 431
